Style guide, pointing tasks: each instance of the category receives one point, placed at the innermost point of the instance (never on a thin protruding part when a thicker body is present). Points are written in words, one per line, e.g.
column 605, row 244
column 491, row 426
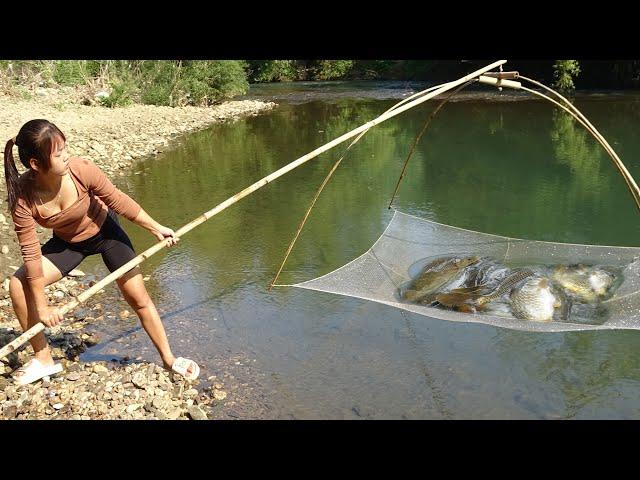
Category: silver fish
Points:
column 435, row 275
column 536, row 300
column 586, row 284
column 472, row 298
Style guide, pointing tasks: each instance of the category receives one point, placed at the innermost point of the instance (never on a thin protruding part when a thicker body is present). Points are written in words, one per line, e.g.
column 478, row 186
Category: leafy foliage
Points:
column 564, row 72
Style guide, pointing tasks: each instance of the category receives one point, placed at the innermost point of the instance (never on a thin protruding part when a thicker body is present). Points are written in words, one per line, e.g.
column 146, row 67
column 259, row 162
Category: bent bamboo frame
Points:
column 575, row 113
column 84, row 296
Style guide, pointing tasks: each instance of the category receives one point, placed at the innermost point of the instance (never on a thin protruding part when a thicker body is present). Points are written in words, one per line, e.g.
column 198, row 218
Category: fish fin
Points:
column 464, row 290
column 428, row 299
column 451, row 299
column 466, row 308
column 457, row 300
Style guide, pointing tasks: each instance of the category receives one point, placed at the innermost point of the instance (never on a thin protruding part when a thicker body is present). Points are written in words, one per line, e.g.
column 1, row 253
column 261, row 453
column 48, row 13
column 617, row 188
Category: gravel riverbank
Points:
column 121, row 389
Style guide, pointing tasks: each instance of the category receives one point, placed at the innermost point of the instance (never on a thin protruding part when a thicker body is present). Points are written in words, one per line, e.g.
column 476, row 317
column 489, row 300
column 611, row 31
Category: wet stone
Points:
column 10, row 411
column 219, row 394
column 196, row 413
column 73, row 376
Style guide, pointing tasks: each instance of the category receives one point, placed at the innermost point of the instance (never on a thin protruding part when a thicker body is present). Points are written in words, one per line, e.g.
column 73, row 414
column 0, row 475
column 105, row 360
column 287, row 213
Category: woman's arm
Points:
column 47, row 314
column 161, row 232
column 121, row 202
column 25, row 227
column 96, row 181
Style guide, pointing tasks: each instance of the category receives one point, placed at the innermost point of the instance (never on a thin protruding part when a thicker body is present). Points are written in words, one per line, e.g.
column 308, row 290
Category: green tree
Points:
column 272, row 70
column 333, row 69
column 564, row 71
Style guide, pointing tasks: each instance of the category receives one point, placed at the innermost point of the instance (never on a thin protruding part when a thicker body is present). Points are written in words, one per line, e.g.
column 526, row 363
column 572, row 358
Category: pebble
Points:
column 73, row 376
column 196, row 413
column 133, row 407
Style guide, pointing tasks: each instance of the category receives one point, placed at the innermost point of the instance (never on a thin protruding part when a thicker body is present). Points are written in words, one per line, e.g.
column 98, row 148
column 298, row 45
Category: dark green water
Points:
column 513, row 168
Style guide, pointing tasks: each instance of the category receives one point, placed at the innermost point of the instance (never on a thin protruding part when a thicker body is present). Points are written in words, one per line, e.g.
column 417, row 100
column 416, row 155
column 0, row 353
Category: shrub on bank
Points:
column 156, row 82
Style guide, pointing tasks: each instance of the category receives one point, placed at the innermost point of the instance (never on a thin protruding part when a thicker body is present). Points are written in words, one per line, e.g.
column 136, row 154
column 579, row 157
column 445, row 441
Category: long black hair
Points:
column 36, row 139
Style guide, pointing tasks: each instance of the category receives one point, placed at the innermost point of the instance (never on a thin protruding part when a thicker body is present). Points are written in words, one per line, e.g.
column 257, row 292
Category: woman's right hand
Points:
column 50, row 316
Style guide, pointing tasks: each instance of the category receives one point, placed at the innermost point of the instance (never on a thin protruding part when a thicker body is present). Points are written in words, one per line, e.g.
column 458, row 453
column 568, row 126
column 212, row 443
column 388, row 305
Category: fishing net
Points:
column 409, row 243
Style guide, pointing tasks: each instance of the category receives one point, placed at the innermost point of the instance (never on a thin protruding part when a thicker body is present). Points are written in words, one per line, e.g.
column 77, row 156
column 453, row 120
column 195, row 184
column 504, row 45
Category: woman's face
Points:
column 59, row 159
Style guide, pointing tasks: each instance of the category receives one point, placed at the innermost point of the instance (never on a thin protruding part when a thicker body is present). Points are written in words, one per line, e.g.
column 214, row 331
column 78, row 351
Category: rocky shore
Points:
column 120, row 389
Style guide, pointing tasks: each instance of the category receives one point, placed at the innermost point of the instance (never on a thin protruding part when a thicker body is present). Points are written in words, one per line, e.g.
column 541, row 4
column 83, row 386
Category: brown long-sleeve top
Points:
column 79, row 221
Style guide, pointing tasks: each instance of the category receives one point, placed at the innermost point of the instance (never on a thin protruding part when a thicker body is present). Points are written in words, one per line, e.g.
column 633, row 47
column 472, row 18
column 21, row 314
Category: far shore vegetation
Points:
column 205, row 82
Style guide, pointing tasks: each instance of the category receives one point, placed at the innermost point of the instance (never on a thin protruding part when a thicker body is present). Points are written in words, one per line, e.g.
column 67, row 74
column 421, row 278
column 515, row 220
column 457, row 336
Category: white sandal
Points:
column 180, row 365
column 34, row 370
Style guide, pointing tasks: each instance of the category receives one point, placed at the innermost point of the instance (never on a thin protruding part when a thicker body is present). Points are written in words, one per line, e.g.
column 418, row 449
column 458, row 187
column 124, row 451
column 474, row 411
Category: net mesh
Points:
column 409, row 242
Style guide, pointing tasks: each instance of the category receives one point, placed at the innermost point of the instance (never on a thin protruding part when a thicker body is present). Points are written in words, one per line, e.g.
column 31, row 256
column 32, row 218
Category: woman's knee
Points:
column 138, row 302
column 16, row 288
column 135, row 295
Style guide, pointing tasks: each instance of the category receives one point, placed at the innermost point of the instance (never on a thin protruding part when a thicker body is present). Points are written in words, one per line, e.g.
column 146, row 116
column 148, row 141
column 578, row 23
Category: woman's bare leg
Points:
column 25, row 310
column 135, row 293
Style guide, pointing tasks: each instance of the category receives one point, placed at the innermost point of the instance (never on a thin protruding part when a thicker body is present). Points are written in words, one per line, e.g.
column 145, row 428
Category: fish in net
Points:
column 455, row 274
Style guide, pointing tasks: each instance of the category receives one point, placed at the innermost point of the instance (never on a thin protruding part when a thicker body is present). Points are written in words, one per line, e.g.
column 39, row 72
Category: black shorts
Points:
column 111, row 242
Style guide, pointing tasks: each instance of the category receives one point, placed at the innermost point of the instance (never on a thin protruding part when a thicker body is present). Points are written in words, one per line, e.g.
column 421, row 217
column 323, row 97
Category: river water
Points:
column 490, row 162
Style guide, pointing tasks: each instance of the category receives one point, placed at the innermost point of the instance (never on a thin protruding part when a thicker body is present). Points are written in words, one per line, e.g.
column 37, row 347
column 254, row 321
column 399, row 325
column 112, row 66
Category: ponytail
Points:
column 11, row 175
column 37, row 140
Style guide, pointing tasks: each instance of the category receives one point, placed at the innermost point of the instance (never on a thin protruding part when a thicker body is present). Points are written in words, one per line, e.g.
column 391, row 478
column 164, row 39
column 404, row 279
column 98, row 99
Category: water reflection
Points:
column 511, row 168
column 578, row 375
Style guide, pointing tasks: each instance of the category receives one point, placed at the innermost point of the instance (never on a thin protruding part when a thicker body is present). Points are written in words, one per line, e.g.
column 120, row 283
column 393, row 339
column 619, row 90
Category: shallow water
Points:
column 512, row 168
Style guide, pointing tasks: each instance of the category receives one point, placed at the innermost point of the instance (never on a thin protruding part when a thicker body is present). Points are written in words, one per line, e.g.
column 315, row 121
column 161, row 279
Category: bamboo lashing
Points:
column 31, row 332
column 502, row 75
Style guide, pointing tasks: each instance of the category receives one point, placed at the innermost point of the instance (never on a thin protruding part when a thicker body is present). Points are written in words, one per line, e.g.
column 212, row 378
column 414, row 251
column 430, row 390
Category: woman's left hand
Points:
column 162, row 232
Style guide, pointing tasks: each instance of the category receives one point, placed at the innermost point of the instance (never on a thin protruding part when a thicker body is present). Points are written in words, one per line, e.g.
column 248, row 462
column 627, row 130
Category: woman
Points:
column 75, row 199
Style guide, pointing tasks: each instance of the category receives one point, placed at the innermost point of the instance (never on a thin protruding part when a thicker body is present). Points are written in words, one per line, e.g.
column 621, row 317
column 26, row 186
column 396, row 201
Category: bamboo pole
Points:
column 30, row 333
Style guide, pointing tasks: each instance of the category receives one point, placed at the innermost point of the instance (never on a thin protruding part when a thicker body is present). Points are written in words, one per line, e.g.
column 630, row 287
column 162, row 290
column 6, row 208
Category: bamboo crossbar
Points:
column 84, row 296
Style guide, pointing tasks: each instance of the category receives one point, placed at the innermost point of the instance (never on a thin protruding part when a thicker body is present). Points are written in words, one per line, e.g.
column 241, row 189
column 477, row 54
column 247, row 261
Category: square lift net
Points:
column 379, row 273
